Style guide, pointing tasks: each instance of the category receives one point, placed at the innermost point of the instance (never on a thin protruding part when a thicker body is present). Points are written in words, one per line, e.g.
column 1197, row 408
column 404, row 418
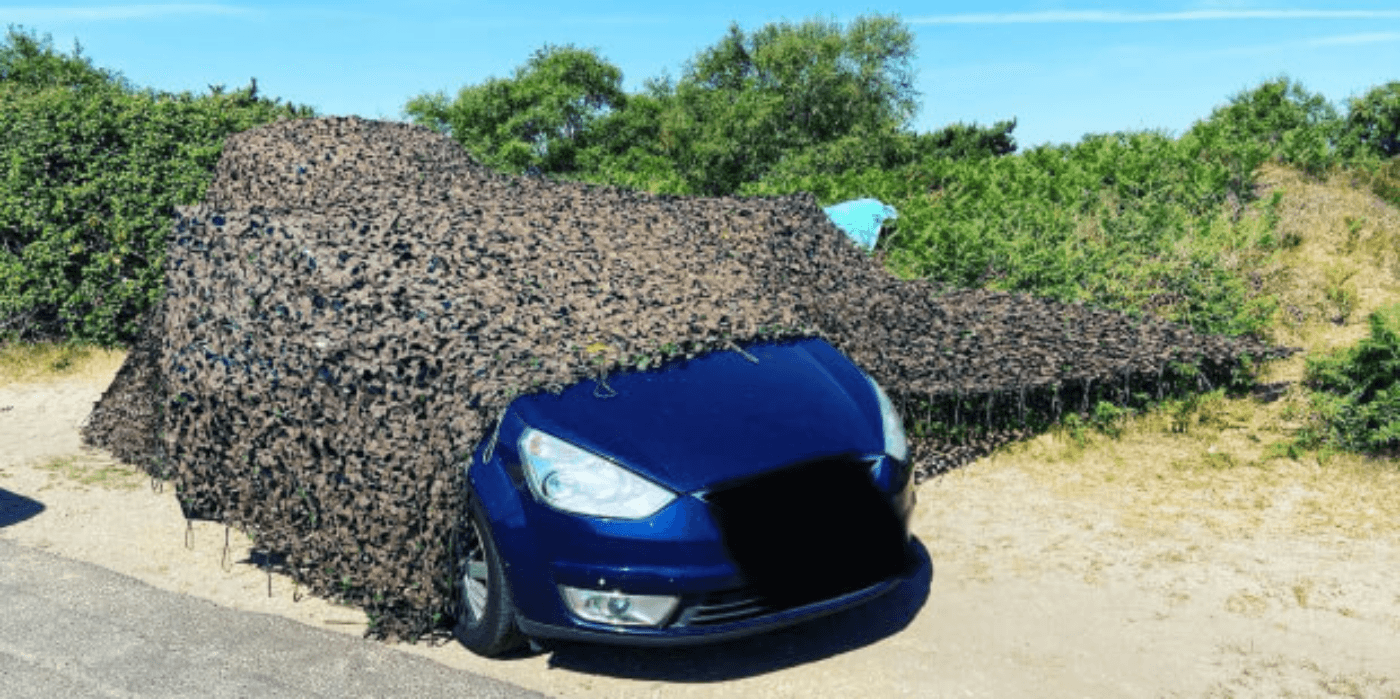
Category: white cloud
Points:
column 53, row 15
column 1355, row 39
column 1342, row 40
column 1118, row 17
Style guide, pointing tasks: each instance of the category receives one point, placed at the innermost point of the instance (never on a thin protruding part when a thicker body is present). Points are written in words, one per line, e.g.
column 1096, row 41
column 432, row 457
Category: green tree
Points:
column 537, row 118
column 1279, row 119
column 960, row 141
column 1373, row 122
column 752, row 99
column 634, row 147
column 29, row 62
column 740, row 107
column 90, row 172
column 889, row 149
column 1271, row 113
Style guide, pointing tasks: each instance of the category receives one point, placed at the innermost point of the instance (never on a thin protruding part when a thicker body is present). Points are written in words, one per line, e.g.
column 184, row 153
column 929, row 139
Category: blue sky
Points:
column 1062, row 69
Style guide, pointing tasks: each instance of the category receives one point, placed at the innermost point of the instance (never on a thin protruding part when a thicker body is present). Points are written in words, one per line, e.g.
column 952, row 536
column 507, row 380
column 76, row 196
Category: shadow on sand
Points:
column 756, row 655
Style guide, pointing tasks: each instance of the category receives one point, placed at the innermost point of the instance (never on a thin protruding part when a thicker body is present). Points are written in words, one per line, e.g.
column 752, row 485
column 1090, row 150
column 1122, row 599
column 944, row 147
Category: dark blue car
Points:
column 730, row 494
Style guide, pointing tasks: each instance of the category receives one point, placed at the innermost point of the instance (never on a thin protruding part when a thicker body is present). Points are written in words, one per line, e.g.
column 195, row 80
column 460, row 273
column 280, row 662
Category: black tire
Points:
column 486, row 627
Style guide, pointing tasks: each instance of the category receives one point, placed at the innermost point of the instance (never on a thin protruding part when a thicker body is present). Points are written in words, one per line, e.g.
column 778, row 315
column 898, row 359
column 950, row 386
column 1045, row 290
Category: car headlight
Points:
column 575, row 480
column 896, row 444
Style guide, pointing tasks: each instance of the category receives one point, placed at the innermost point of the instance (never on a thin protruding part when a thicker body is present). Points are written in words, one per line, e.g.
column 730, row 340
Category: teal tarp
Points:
column 861, row 219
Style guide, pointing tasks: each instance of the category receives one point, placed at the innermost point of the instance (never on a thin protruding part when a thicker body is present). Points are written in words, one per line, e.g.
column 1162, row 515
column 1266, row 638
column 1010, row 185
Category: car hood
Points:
column 721, row 416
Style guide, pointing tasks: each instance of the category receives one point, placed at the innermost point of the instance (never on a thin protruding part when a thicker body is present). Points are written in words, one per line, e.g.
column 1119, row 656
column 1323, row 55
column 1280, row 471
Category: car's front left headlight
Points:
column 579, row 481
column 896, row 444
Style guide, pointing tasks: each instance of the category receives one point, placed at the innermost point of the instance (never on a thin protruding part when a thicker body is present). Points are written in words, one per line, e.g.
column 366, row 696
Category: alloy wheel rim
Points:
column 476, row 580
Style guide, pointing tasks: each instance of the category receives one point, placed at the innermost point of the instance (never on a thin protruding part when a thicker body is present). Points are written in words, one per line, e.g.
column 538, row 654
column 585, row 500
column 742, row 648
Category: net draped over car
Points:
column 354, row 303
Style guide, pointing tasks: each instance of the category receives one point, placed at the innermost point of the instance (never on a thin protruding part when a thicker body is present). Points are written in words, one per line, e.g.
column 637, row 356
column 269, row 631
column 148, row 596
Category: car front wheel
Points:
column 485, row 613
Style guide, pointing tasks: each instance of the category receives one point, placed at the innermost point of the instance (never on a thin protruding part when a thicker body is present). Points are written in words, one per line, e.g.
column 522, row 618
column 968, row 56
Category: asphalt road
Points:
column 70, row 629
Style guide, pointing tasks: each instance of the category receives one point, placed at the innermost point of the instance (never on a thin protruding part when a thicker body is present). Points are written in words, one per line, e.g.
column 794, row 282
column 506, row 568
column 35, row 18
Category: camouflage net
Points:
column 127, row 420
column 355, row 302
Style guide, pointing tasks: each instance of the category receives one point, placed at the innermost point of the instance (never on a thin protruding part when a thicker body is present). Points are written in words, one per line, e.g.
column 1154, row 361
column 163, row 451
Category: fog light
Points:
column 617, row 608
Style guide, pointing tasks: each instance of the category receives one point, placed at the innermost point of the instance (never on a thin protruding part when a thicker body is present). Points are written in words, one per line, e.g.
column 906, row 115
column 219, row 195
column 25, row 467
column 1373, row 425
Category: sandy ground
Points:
column 1039, row 585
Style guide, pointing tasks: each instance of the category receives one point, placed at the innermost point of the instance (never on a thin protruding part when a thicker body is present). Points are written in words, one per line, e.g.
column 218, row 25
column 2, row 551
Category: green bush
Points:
column 887, row 149
column 1356, row 392
column 1133, row 221
column 1373, row 123
column 535, row 119
column 1384, row 180
column 1278, row 120
column 90, row 172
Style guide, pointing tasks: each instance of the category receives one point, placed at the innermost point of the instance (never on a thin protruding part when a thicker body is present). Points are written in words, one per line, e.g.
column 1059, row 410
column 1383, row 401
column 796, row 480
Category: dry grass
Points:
column 98, row 473
column 1344, row 265
column 1220, row 463
column 39, row 362
column 1222, row 474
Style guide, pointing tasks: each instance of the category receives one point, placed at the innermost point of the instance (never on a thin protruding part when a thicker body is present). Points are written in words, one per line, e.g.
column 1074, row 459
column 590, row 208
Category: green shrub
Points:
column 889, row 149
column 1279, row 120
column 90, row 172
column 1356, row 392
column 1383, row 178
column 1133, row 221
column 537, row 118
column 1373, row 123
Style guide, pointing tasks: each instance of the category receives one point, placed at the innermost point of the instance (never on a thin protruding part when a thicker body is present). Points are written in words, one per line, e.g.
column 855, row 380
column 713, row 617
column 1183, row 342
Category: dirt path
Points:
column 1145, row 580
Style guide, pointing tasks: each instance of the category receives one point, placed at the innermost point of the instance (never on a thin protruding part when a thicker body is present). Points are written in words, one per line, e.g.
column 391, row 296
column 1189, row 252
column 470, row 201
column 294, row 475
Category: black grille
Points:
column 725, row 608
column 810, row 532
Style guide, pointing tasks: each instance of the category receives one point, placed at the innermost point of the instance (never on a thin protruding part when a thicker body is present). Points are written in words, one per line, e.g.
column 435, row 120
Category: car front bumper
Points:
column 706, row 619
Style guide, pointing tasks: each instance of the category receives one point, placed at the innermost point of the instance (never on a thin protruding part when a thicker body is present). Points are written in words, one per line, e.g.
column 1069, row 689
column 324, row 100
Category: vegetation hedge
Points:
column 1356, row 391
column 1136, row 222
column 91, row 170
